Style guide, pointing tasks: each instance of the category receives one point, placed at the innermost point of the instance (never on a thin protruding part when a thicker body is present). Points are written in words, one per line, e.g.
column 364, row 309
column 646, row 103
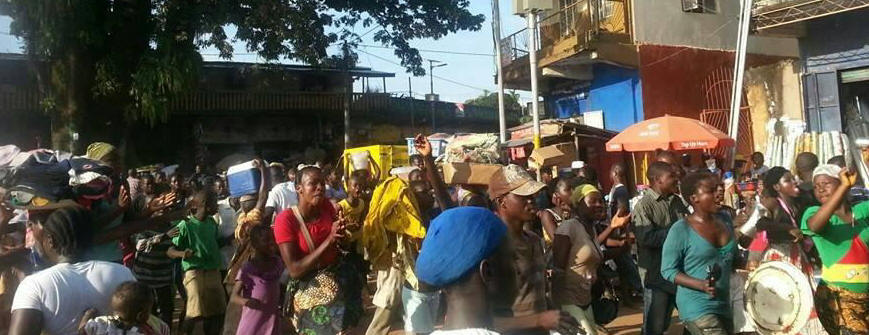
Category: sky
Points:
column 467, row 75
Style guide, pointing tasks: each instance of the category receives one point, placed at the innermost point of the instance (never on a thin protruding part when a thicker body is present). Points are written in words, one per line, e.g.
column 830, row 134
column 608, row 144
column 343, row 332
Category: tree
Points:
column 101, row 63
column 490, row 99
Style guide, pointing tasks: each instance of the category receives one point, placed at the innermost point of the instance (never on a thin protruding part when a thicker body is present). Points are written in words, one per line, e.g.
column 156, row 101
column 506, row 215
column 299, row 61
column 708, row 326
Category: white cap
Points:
column 830, row 170
column 577, row 165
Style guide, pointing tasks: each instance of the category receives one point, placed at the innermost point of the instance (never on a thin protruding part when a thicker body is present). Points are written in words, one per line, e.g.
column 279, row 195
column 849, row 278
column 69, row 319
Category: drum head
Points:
column 778, row 298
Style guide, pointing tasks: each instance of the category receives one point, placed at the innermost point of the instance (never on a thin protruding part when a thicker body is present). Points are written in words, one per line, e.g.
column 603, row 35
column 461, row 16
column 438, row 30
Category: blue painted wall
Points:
column 614, row 90
column 836, row 42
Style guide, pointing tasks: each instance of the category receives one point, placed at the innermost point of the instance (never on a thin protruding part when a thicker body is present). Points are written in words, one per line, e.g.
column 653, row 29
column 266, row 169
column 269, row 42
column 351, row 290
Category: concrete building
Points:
column 834, row 56
column 618, row 62
column 276, row 111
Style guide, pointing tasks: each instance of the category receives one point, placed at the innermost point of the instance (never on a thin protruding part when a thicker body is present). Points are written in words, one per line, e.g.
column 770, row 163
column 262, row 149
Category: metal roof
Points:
column 356, row 71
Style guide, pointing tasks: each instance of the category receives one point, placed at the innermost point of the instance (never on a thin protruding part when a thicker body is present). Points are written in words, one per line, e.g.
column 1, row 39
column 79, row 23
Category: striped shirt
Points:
column 152, row 266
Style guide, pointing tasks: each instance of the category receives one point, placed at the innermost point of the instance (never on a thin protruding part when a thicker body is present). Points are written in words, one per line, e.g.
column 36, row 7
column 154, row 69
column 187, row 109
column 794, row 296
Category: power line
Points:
column 434, row 51
column 438, row 77
column 372, row 29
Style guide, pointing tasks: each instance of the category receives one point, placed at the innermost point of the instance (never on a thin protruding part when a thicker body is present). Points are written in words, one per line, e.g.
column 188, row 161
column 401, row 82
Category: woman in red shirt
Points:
column 308, row 236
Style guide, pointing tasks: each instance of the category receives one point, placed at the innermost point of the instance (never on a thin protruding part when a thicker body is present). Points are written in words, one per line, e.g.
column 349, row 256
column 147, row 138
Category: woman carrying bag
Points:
column 307, row 236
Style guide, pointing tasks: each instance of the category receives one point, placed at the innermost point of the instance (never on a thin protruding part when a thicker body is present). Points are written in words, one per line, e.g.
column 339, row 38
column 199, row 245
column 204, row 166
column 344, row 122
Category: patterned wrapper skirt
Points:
column 315, row 304
column 842, row 312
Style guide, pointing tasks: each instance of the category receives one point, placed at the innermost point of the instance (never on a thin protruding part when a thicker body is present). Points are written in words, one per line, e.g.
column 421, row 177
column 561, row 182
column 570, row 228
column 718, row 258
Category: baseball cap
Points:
column 577, row 165
column 513, row 179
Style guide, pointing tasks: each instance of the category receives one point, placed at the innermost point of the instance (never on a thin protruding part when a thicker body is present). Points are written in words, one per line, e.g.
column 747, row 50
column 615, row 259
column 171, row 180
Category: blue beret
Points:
column 456, row 242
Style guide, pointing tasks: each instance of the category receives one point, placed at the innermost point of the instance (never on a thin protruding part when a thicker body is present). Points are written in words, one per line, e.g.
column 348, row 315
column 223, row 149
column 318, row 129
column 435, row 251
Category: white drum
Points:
column 778, row 298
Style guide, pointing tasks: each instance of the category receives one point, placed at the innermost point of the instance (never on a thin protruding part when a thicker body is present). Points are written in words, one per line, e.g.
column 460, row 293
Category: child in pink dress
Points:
column 258, row 286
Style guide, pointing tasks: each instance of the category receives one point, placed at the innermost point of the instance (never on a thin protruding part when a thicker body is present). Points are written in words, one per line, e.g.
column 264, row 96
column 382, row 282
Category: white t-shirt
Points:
column 469, row 331
column 108, row 325
column 226, row 223
column 756, row 172
column 64, row 291
column 283, row 196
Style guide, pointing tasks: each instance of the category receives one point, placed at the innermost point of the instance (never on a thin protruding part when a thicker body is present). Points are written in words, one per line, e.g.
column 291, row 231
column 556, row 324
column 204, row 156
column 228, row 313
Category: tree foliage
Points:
column 490, row 99
column 133, row 56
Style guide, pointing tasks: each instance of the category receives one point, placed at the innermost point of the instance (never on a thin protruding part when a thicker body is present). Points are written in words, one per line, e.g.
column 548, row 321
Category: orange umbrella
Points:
column 669, row 132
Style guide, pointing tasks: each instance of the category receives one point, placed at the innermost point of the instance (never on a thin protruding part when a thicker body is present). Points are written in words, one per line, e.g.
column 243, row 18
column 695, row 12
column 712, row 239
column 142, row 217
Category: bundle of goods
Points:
column 41, row 176
column 473, row 148
column 783, row 150
column 471, row 159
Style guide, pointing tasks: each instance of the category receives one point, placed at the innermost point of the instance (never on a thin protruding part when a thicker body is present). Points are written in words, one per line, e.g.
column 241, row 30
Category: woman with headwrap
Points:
column 578, row 254
column 841, row 234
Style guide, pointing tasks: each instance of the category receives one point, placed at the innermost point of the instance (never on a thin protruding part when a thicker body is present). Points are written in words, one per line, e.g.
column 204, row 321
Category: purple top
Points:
column 263, row 285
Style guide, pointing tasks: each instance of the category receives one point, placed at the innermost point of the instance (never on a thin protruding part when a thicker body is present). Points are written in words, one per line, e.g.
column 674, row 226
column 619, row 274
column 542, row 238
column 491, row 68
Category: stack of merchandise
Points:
column 783, row 150
column 40, row 177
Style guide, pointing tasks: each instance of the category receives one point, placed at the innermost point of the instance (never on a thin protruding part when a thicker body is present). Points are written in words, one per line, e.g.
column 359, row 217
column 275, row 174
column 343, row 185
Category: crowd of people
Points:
column 517, row 256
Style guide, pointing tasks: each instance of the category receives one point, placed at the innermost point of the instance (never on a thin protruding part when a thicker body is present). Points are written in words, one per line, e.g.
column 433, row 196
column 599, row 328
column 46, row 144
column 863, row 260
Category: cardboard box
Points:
column 558, row 155
column 469, row 173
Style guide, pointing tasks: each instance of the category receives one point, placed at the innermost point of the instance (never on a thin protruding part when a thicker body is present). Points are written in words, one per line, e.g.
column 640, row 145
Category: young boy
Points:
column 757, row 166
column 131, row 314
column 197, row 245
column 653, row 215
column 354, row 209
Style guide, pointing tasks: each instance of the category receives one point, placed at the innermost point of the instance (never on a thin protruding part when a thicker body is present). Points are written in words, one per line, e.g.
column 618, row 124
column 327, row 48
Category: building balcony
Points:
column 370, row 106
column 580, row 33
column 212, row 101
column 769, row 14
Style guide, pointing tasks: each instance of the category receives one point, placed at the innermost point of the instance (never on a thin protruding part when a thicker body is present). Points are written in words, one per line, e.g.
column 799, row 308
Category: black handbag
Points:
column 606, row 304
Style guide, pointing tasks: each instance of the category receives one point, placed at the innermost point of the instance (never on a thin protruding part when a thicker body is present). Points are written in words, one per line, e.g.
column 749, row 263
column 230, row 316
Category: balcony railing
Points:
column 241, row 101
column 580, row 22
column 379, row 106
column 515, row 46
column 774, row 13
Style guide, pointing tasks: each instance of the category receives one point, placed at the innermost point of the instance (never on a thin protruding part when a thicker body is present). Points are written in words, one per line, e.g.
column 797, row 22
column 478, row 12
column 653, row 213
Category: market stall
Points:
column 586, row 142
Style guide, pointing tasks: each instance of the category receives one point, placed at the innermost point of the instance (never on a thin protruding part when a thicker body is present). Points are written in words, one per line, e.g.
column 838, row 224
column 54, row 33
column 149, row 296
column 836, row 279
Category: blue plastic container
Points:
column 243, row 179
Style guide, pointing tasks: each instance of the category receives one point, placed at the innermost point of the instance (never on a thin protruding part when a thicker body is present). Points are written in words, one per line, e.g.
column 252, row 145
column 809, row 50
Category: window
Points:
column 606, row 9
column 700, row 6
column 821, row 97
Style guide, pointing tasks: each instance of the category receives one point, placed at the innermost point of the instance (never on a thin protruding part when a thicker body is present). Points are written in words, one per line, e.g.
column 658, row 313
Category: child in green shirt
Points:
column 197, row 245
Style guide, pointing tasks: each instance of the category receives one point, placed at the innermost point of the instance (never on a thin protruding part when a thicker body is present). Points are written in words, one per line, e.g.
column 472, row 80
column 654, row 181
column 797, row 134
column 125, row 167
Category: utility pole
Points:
column 432, row 97
column 410, row 96
column 496, row 32
column 348, row 95
column 532, row 59
column 738, row 75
